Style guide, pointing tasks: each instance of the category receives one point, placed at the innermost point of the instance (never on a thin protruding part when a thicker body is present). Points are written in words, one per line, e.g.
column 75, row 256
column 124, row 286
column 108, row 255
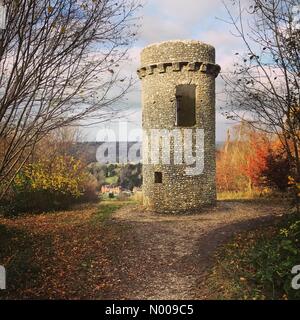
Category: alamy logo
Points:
column 296, row 280
column 2, row 278
column 160, row 146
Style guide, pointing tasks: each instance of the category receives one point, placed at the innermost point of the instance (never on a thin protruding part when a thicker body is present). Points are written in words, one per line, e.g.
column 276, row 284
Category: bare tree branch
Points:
column 59, row 63
column 263, row 87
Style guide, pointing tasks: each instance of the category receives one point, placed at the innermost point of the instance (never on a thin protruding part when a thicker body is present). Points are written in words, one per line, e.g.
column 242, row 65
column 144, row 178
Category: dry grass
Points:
column 250, row 194
column 137, row 197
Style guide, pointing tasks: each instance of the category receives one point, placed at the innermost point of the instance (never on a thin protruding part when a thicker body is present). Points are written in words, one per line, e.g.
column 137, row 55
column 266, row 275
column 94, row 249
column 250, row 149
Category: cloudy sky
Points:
column 181, row 19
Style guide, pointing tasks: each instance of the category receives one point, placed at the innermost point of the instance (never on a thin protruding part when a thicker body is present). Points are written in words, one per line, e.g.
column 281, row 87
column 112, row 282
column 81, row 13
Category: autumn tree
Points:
column 233, row 160
column 255, row 164
column 59, row 65
column 251, row 160
column 277, row 170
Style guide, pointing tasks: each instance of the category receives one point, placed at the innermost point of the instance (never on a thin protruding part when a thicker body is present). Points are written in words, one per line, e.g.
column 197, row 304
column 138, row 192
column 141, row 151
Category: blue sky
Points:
column 163, row 20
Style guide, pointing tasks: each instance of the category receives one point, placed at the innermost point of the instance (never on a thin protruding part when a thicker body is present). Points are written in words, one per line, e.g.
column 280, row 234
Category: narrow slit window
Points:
column 185, row 105
column 157, row 177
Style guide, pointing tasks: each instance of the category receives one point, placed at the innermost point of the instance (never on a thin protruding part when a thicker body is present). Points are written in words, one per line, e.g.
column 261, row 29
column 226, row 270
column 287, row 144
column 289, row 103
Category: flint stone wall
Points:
column 163, row 67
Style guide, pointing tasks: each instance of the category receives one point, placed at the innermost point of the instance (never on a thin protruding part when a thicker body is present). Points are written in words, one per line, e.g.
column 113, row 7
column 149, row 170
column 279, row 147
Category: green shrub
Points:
column 274, row 259
column 258, row 264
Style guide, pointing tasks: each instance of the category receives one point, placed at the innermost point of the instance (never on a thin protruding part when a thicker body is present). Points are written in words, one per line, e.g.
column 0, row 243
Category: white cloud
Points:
column 178, row 19
column 155, row 29
column 226, row 45
column 188, row 11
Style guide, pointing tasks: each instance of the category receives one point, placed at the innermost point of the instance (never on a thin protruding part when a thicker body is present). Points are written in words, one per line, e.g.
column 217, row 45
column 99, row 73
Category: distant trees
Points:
column 58, row 65
column 126, row 176
column 98, row 171
column 263, row 89
column 130, row 176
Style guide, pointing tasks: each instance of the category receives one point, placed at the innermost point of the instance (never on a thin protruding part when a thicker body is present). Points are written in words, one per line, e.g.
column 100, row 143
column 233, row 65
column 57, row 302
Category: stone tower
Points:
column 178, row 97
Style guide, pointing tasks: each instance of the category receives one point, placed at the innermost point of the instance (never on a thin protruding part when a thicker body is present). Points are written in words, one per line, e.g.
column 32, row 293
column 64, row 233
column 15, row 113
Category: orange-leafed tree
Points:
column 256, row 158
column 251, row 159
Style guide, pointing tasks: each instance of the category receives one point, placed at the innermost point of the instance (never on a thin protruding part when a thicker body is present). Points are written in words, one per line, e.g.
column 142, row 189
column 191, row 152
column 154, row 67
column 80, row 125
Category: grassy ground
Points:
column 257, row 264
column 55, row 255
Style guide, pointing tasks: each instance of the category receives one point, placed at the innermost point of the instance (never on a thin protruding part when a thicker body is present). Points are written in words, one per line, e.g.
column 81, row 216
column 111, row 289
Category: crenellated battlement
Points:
column 208, row 68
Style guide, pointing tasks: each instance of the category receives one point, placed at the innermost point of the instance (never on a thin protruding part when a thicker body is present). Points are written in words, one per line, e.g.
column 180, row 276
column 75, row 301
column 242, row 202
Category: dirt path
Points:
column 168, row 257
